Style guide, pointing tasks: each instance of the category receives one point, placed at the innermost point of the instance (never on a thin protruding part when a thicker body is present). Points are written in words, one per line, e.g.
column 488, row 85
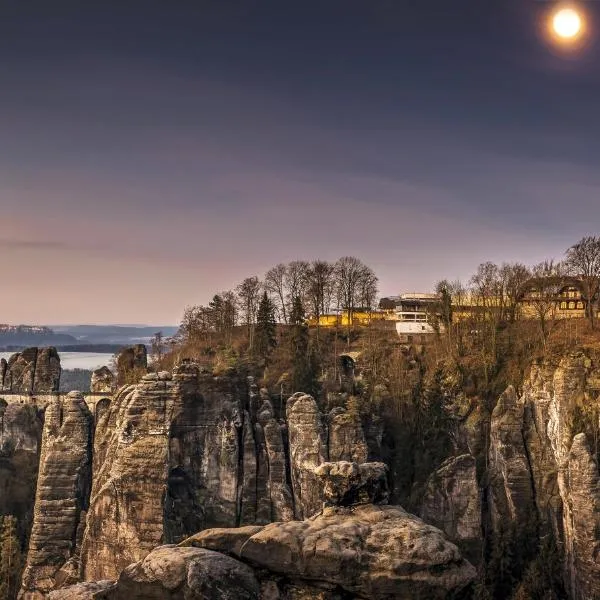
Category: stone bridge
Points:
column 97, row 402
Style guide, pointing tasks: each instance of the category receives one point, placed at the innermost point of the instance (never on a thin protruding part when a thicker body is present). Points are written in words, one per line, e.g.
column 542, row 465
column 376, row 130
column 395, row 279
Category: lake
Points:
column 78, row 360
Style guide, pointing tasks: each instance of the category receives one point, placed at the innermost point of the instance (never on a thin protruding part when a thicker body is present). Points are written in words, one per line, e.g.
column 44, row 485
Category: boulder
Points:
column 181, row 573
column 372, row 552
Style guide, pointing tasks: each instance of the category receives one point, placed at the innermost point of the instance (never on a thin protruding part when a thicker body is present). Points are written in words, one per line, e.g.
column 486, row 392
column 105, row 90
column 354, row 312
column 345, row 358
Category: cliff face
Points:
column 187, row 451
column 179, row 453
column 62, row 496
column 20, row 441
column 176, row 454
column 544, row 475
column 34, row 370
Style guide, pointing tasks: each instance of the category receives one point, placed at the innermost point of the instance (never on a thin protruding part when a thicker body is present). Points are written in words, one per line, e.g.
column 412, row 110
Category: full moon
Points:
column 566, row 23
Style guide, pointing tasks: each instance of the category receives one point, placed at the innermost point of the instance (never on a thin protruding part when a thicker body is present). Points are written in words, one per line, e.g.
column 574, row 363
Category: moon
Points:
column 567, row 23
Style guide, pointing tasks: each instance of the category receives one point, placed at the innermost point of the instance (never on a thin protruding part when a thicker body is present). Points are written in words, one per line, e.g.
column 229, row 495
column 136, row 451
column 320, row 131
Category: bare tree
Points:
column 275, row 284
column 583, row 262
column 319, row 286
column 196, row 323
column 547, row 281
column 248, row 294
column 367, row 288
column 295, row 282
column 513, row 277
column 488, row 296
column 355, row 283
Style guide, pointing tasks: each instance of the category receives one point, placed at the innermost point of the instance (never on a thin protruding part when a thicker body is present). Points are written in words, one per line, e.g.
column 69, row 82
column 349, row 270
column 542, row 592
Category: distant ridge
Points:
column 84, row 338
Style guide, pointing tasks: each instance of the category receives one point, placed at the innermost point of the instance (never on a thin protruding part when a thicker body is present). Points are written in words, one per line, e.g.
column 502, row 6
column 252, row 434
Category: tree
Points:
column 583, row 262
column 157, row 344
column 223, row 313
column 304, row 364
column 195, row 323
column 295, row 280
column 247, row 294
column 266, row 327
column 443, row 289
column 546, row 285
column 356, row 284
column 275, row 279
column 319, row 287
column 513, row 277
column 11, row 559
column 488, row 294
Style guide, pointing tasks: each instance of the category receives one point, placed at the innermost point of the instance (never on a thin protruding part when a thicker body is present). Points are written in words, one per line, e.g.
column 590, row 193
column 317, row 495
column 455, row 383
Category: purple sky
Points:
column 153, row 155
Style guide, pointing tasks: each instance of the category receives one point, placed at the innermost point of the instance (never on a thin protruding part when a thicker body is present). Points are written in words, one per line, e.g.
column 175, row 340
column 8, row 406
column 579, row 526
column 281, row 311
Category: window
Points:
column 571, row 305
column 563, row 306
column 580, row 305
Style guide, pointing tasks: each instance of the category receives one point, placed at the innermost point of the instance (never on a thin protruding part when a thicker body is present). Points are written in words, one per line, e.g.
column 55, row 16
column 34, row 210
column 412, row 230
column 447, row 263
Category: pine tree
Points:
column 266, row 328
column 10, row 558
column 304, row 364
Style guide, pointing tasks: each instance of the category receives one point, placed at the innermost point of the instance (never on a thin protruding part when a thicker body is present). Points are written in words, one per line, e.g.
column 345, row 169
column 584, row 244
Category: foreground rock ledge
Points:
column 365, row 552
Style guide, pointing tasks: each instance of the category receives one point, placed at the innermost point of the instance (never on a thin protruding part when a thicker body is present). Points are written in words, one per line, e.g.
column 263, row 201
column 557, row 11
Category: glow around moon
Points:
column 567, row 23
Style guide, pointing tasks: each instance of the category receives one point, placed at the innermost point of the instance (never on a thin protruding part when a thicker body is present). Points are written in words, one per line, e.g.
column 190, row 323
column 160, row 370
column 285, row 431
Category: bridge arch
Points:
column 101, row 408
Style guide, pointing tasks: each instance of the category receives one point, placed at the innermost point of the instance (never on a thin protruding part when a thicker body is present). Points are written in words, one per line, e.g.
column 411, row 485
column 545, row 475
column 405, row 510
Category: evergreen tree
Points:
column 304, row 363
column 266, row 327
column 10, row 558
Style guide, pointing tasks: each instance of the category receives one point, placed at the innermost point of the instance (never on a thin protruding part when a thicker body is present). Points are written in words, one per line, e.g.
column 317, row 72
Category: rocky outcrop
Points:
column 452, row 502
column 582, row 520
column 553, row 470
column 365, row 552
column 3, row 371
column 103, row 381
column 132, row 363
column 176, row 454
column 62, row 494
column 34, row 370
column 174, row 572
column 125, row 519
column 307, row 451
column 510, row 476
column 346, row 437
column 20, row 440
column 371, row 552
column 345, row 483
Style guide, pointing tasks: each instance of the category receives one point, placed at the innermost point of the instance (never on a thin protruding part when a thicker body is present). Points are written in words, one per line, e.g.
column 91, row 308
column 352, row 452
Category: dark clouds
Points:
column 194, row 143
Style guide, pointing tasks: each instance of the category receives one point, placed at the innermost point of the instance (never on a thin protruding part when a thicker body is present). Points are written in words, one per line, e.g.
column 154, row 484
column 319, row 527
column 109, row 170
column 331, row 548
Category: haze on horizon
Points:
column 154, row 153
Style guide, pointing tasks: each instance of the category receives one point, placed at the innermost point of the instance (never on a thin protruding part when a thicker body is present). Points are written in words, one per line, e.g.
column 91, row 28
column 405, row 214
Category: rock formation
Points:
column 540, row 457
column 510, row 476
column 20, row 440
column 582, row 520
column 132, row 363
column 307, row 451
column 345, row 483
column 368, row 552
column 62, row 495
column 452, row 502
column 34, row 370
column 346, row 437
column 190, row 452
column 177, row 454
column 103, row 381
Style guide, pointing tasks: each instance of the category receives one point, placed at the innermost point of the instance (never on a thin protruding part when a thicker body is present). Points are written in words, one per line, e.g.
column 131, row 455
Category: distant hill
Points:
column 12, row 336
column 114, row 334
column 84, row 338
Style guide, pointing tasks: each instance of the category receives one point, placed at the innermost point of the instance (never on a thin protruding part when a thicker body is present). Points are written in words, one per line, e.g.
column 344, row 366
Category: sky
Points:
column 154, row 153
